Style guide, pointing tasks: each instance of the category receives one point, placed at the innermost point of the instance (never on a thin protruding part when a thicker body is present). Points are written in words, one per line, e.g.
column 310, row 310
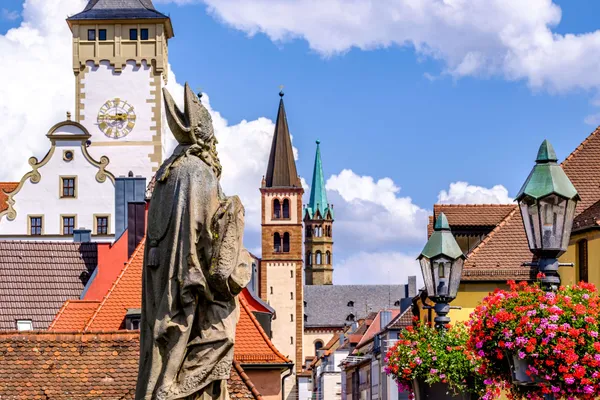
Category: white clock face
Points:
column 116, row 118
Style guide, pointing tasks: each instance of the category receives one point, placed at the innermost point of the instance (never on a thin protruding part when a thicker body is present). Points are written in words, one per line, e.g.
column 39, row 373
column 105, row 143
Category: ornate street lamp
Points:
column 547, row 201
column 441, row 264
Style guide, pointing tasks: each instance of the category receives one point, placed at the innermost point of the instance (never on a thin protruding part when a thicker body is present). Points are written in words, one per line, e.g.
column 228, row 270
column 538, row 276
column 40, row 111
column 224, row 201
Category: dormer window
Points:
column 133, row 319
column 350, row 317
column 24, row 325
column 397, row 303
column 350, row 303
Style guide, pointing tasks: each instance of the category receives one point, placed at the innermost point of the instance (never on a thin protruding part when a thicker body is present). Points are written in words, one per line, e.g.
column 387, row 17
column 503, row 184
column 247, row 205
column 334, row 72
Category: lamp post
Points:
column 441, row 262
column 547, row 201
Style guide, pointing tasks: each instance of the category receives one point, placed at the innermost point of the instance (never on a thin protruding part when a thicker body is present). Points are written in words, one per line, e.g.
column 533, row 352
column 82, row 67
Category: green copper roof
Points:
column 318, row 195
column 442, row 242
column 547, row 177
column 546, row 153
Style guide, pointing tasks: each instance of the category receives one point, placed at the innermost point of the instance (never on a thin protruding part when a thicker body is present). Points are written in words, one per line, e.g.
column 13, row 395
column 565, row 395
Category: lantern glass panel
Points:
column 427, row 274
column 552, row 217
column 441, row 275
column 531, row 221
column 568, row 223
column 455, row 275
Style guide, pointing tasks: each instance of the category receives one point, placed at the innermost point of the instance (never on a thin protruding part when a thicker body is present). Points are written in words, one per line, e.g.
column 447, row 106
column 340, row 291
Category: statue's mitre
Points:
column 193, row 124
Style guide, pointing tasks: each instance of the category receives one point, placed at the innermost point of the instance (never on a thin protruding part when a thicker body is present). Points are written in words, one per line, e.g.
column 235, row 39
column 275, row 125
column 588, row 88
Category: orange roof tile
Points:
column 582, row 167
column 47, row 365
column 252, row 344
column 375, row 327
column 73, row 316
column 501, row 254
column 125, row 293
column 6, row 187
column 472, row 215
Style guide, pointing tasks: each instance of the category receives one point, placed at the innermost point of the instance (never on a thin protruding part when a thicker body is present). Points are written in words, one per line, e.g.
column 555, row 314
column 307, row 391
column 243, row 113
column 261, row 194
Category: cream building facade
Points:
column 66, row 189
column 120, row 62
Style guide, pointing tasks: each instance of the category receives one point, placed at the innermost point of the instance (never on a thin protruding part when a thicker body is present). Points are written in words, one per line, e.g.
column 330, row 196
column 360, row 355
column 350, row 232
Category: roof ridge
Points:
column 261, row 330
column 114, row 285
column 580, row 147
column 59, row 314
column 489, row 236
column 58, row 336
column 476, row 205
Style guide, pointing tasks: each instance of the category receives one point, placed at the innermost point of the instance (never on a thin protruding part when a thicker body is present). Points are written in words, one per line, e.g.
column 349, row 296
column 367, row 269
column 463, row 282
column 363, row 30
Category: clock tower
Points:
column 120, row 65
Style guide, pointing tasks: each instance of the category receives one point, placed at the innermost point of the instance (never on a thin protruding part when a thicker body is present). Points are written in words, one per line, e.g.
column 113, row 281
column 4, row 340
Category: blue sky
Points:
column 383, row 112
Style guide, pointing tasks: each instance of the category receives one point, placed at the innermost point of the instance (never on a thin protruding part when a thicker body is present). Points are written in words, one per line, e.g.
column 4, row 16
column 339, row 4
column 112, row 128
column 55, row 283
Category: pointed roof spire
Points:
column 281, row 170
column 318, row 195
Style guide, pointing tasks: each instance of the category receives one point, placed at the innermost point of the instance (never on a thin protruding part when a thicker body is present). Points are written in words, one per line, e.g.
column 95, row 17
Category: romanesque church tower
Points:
column 281, row 265
column 120, row 62
column 318, row 225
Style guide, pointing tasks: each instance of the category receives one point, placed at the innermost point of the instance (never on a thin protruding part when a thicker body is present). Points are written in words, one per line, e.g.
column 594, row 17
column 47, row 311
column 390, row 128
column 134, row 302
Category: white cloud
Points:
column 370, row 214
column 377, row 268
column 511, row 38
column 35, row 94
column 37, row 58
column 463, row 193
column 9, row 15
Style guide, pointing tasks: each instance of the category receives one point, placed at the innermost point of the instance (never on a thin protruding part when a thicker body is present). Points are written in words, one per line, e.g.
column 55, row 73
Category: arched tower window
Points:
column 308, row 231
column 308, row 258
column 286, row 208
column 327, row 257
column 318, row 346
column 318, row 259
column 582, row 259
column 286, row 242
column 277, row 242
column 276, row 209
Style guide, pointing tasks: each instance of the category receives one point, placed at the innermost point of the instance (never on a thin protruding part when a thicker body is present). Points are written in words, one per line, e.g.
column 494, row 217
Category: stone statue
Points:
column 194, row 266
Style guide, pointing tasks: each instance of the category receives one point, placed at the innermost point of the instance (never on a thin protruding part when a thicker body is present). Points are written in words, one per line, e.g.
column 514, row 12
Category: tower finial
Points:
column 281, row 94
column 68, row 115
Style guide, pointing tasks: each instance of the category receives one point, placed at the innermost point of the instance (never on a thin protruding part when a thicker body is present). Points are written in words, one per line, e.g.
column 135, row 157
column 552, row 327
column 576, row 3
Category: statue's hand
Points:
column 229, row 270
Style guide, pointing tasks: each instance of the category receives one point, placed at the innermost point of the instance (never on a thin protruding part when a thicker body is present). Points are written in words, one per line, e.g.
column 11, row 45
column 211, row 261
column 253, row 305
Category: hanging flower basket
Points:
column 539, row 344
column 425, row 391
column 434, row 364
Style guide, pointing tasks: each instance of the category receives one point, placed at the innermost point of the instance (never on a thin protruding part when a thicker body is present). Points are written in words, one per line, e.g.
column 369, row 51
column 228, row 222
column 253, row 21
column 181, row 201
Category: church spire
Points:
column 318, row 195
column 281, row 170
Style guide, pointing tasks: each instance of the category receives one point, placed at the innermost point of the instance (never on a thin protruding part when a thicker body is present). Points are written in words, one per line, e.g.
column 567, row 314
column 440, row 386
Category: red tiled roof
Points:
column 375, row 327
column 36, row 278
column 588, row 218
column 402, row 320
column 501, row 254
column 6, row 187
column 124, row 294
column 582, row 167
column 471, row 215
column 46, row 365
column 74, row 316
column 252, row 345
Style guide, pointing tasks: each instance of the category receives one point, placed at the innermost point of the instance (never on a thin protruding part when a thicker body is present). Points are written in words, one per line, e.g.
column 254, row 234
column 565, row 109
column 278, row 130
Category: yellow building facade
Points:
column 494, row 241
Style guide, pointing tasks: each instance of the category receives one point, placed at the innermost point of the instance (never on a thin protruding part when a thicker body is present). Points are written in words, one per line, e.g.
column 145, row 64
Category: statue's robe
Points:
column 194, row 266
